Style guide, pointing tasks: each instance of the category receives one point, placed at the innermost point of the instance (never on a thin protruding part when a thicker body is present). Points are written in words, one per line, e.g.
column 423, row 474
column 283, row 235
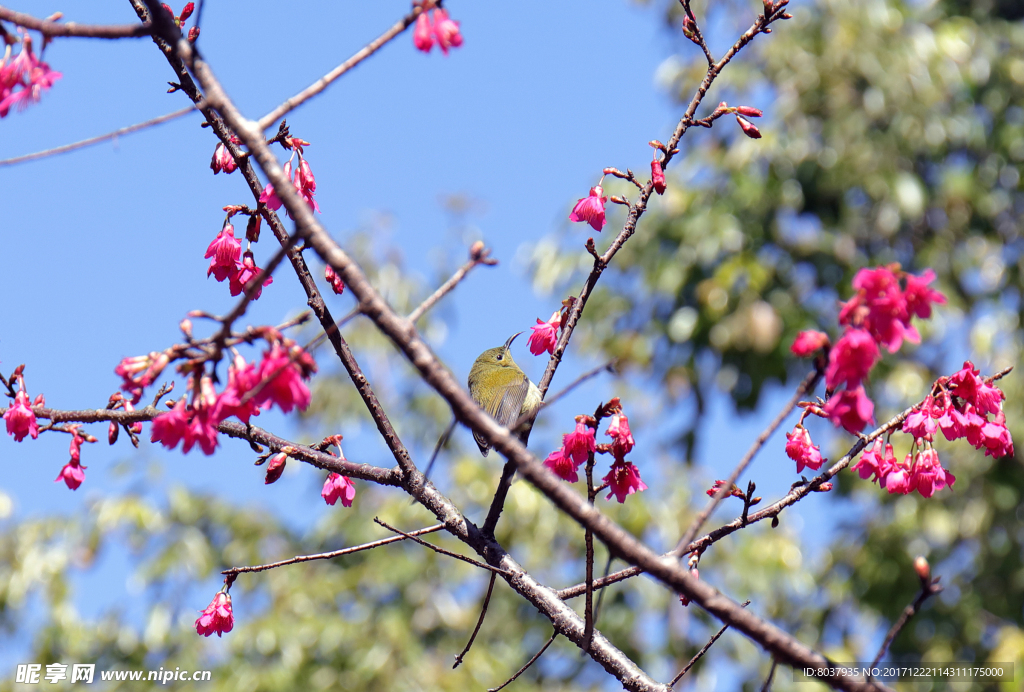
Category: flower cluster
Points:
column 959, row 407
column 217, row 617
column 277, row 379
column 224, row 252
column 577, row 447
column 877, row 315
column 590, row 209
column 436, row 26
column 23, row 78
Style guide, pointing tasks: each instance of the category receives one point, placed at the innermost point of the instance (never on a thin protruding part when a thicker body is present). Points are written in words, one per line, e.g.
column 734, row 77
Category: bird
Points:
column 502, row 389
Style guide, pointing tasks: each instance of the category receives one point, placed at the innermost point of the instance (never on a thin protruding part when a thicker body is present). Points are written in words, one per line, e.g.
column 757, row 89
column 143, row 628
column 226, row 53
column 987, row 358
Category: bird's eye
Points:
column 499, row 356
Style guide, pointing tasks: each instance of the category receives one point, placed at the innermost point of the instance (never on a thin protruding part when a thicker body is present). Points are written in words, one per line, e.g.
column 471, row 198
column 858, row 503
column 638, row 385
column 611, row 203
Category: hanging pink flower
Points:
column 580, row 443
column 623, row 480
column 801, row 450
column 446, row 31
column 246, row 274
column 73, row 474
column 21, row 419
column 338, row 487
column 562, row 465
column 850, row 409
column 622, row 437
column 423, row 33
column 590, row 209
column 217, row 618
column 223, row 253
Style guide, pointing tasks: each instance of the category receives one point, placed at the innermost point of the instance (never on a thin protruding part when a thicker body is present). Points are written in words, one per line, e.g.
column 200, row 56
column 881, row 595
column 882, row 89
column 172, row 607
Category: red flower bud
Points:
column 658, row 177
column 923, row 569
column 193, row 34
column 275, row 468
column 748, row 128
column 186, row 11
column 749, row 111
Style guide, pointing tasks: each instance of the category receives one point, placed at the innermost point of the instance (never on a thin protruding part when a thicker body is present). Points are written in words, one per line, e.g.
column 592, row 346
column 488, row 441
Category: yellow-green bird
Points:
column 503, row 390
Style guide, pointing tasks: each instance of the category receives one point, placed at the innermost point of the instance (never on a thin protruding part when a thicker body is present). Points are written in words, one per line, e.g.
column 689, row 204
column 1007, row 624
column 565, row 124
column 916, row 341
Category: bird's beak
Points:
column 512, row 338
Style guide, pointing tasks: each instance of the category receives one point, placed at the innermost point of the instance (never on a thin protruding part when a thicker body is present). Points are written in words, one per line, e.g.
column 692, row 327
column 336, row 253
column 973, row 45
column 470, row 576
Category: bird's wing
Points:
column 507, row 409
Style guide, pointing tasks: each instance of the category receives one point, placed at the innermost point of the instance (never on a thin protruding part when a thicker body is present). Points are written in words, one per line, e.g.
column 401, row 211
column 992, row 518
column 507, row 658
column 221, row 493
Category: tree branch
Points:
column 96, row 140
column 71, row 29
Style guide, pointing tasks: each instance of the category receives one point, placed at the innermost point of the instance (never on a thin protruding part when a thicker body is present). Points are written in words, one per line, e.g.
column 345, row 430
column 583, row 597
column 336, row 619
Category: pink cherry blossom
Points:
column 802, row 451
column 242, row 378
column 995, row 437
column 580, row 443
column 872, row 461
column 284, row 380
column 446, row 31
column 73, row 474
column 881, row 307
column 562, row 465
column 657, row 176
column 808, row 343
column 270, row 198
column 921, row 423
column 423, row 33
column 338, row 487
column 928, row 476
column 26, row 71
column 21, row 420
column 246, row 274
column 591, row 209
column 305, row 184
column 223, row 253
column 169, row 427
column 623, row 480
column 217, row 617
column 622, row 437
column 897, row 480
column 222, row 160
column 919, row 297
column 851, row 409
column 544, row 335
column 851, row 359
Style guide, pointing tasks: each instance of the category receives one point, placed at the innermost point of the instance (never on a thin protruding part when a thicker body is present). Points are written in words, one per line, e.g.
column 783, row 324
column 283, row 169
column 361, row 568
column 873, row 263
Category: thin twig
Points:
column 479, row 622
column 767, row 686
column 806, row 387
column 588, row 539
column 96, row 140
column 704, row 650
column 929, row 588
column 331, row 555
column 449, row 553
column 480, row 257
column 528, row 664
column 322, row 83
column 71, row 29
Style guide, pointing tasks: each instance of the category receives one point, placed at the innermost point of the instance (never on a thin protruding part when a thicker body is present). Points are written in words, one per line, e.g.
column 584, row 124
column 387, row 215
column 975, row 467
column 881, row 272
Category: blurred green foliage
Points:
column 893, row 132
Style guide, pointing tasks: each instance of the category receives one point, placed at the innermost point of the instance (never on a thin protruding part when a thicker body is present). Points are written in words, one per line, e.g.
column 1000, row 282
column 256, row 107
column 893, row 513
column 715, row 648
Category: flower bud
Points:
column 749, row 129
column 186, row 11
column 193, row 34
column 749, row 111
column 186, row 327
column 688, row 27
column 922, row 568
column 658, row 177
column 112, row 432
column 275, row 468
